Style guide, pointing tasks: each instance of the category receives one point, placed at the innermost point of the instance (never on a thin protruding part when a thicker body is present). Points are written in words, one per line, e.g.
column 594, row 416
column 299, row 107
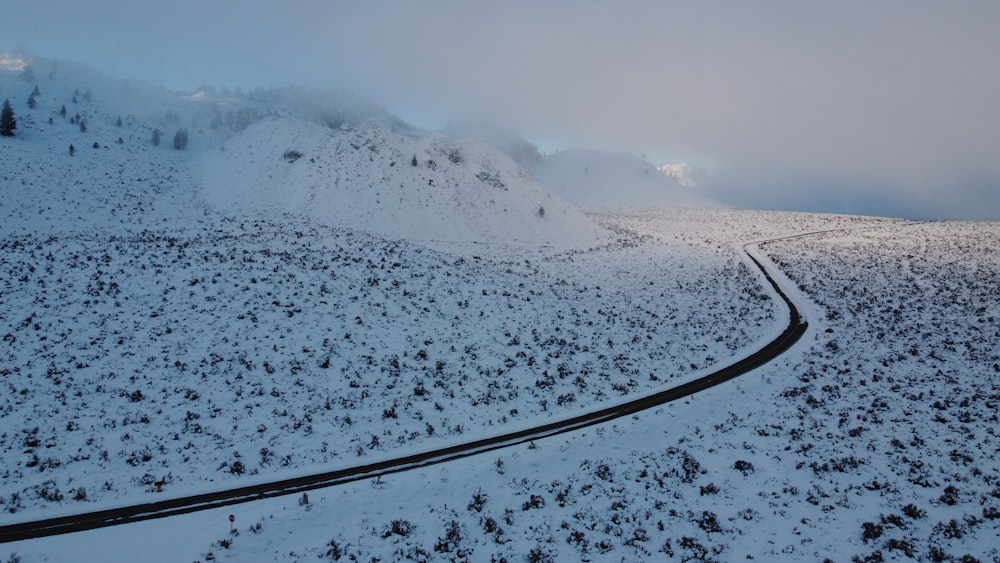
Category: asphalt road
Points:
column 171, row 507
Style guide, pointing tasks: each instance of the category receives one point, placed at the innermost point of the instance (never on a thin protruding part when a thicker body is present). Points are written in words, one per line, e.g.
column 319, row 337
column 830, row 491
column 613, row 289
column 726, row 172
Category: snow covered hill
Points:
column 593, row 178
column 83, row 158
column 368, row 178
column 359, row 175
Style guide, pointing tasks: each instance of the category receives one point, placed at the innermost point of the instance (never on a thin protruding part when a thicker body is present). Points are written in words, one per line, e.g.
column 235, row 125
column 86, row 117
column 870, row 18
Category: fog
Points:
column 861, row 107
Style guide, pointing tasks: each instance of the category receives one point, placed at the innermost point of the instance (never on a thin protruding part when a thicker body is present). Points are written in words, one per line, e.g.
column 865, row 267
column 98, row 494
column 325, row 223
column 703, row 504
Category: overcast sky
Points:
column 868, row 107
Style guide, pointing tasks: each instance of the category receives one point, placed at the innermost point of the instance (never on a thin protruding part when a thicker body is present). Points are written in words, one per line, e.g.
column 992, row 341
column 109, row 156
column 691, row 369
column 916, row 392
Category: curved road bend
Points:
column 171, row 507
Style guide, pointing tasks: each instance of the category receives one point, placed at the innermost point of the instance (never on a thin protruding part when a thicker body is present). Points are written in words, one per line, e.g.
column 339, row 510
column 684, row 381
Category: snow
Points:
column 363, row 178
column 13, row 62
column 222, row 316
column 593, row 178
column 686, row 174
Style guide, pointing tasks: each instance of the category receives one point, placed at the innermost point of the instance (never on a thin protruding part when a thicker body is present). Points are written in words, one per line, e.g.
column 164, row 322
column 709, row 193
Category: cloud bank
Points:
column 887, row 107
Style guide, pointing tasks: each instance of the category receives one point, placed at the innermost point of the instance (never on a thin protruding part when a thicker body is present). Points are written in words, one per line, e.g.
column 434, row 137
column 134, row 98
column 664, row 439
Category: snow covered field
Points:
column 154, row 330
column 195, row 356
column 874, row 439
column 875, row 434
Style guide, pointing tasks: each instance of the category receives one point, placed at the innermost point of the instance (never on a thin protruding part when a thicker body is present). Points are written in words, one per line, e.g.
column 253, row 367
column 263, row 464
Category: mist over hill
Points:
column 594, row 178
column 370, row 178
column 687, row 174
column 333, row 156
column 336, row 157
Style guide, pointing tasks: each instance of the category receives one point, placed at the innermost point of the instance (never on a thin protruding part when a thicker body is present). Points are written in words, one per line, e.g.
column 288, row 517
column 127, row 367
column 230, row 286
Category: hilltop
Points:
column 343, row 163
column 369, row 178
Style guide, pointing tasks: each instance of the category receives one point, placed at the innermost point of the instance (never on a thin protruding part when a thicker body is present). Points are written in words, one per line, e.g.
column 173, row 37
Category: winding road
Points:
column 171, row 507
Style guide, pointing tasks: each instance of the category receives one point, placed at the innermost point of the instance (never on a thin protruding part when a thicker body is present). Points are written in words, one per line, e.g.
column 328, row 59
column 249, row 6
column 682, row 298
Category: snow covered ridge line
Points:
column 147, row 511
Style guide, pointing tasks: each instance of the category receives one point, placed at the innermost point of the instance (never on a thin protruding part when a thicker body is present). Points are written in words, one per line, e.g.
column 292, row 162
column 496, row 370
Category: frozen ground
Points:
column 150, row 335
column 875, row 436
column 873, row 439
column 203, row 355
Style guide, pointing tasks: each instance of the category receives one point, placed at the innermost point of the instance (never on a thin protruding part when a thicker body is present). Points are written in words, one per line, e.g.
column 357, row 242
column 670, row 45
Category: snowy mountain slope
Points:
column 115, row 179
column 363, row 177
column 353, row 177
column 510, row 143
column 592, row 178
column 99, row 97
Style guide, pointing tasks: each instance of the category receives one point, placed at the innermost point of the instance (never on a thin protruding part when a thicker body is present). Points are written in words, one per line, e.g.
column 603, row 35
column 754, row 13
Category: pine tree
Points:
column 62, row 111
column 83, row 126
column 72, row 150
column 156, row 137
column 31, row 102
column 180, row 139
column 7, row 121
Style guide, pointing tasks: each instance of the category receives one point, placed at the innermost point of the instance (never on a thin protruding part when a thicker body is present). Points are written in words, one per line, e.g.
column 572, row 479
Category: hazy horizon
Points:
column 886, row 108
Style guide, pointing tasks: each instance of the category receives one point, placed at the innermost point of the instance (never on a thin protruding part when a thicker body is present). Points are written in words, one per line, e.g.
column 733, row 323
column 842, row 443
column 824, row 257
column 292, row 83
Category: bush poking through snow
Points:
column 709, row 522
column 949, row 496
column 478, row 501
column 334, row 550
column 451, row 541
column 400, row 528
column 871, row 531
